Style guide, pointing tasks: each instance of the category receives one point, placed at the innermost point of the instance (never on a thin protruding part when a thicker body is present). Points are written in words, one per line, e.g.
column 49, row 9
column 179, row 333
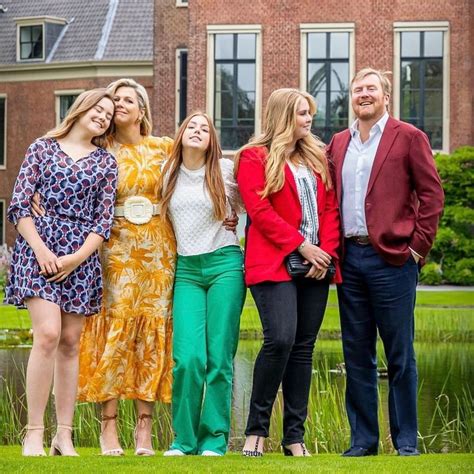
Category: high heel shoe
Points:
column 304, row 452
column 104, row 451
column 140, row 451
column 56, row 449
column 25, row 452
column 255, row 453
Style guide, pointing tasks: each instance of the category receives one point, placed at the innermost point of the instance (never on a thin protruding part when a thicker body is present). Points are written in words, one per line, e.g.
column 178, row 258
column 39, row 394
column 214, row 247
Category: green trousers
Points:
column 209, row 294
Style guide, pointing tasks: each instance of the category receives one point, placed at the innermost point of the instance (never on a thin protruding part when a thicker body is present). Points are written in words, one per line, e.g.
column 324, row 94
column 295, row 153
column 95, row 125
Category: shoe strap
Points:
column 109, row 417
column 64, row 427
column 34, row 427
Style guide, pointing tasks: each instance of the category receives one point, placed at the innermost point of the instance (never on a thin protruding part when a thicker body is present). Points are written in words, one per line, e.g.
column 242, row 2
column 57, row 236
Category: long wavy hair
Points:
column 146, row 124
column 280, row 126
column 213, row 175
column 84, row 102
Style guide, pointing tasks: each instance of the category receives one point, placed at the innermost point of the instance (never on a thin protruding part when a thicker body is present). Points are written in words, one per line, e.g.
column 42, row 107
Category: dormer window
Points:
column 36, row 37
column 31, row 42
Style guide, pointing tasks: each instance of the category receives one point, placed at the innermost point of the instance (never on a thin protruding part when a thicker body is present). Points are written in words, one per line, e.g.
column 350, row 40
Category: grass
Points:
column 233, row 462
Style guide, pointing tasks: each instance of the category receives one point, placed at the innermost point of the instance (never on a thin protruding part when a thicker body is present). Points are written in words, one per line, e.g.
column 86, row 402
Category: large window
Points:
column 234, row 91
column 3, row 131
column 181, row 85
column 31, row 45
column 421, row 84
column 328, row 72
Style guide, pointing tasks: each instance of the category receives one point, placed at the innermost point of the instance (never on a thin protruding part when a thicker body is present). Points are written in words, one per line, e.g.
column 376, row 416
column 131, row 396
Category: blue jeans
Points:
column 375, row 296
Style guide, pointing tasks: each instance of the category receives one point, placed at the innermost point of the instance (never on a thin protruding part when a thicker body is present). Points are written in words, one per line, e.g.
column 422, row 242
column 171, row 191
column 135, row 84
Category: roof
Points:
column 99, row 30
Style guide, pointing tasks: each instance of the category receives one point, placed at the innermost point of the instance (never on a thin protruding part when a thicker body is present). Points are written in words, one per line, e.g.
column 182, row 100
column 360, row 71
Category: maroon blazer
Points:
column 404, row 198
column 275, row 220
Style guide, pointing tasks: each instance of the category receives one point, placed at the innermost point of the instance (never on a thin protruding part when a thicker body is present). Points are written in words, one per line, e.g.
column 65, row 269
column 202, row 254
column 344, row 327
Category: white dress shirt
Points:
column 355, row 177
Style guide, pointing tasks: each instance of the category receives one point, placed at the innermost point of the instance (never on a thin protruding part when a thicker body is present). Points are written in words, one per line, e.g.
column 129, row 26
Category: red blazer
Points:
column 275, row 220
column 404, row 198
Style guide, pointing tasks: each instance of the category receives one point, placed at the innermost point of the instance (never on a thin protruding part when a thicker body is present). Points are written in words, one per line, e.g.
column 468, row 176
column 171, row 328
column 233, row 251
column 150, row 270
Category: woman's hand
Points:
column 36, row 208
column 48, row 262
column 316, row 274
column 68, row 264
column 230, row 223
column 316, row 256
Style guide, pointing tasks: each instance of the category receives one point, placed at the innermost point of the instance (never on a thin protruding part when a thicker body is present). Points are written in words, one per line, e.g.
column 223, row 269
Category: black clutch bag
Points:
column 297, row 269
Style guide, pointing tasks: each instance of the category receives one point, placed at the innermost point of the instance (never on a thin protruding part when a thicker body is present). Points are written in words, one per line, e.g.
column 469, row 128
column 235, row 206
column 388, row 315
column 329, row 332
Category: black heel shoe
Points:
column 255, row 453
column 289, row 452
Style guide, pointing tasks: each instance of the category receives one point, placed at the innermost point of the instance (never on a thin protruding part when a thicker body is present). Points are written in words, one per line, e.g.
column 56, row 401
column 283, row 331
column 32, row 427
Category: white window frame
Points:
column 417, row 26
column 57, row 100
column 305, row 29
column 4, row 221
column 182, row 3
column 178, row 83
column 212, row 30
column 4, row 166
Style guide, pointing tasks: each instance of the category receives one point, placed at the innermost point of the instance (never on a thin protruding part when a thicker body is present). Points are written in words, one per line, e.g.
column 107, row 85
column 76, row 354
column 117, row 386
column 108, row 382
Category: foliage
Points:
column 451, row 257
column 5, row 259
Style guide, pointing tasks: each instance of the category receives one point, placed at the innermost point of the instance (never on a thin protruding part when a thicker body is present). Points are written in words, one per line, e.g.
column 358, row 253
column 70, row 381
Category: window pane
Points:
column 223, row 106
column 37, row 33
column 434, row 74
column 434, row 43
column 339, row 46
column 246, row 77
column 410, row 106
column 433, row 104
column 246, row 46
column 410, row 44
column 65, row 102
column 339, row 108
column 316, row 78
column 320, row 117
column 339, row 76
column 224, row 46
column 434, row 129
column 246, row 105
column 25, row 51
column 410, row 75
column 316, row 45
column 2, row 132
column 25, row 34
column 224, row 77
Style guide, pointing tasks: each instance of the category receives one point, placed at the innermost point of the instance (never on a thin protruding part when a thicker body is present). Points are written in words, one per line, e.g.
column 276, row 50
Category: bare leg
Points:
column 46, row 322
column 144, row 426
column 109, row 438
column 66, row 371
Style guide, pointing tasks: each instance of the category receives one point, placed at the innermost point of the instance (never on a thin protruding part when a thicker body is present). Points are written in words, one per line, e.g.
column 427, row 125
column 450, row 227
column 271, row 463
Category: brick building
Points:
column 50, row 52
column 227, row 57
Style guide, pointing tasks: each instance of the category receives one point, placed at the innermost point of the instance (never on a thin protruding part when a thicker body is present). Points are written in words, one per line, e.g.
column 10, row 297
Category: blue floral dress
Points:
column 78, row 197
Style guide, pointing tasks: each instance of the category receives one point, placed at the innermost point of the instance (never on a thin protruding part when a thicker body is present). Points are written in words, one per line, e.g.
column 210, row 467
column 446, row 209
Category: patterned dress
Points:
column 78, row 197
column 126, row 349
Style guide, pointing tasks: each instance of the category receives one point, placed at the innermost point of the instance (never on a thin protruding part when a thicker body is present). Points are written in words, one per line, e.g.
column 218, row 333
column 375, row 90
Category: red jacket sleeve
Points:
column 329, row 227
column 251, row 180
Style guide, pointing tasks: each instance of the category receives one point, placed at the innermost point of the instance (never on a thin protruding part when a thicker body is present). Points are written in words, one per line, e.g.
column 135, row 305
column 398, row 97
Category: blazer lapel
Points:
column 339, row 156
column 388, row 137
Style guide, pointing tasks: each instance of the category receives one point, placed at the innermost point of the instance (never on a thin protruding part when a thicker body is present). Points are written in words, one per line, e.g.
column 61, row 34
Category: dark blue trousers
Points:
column 375, row 296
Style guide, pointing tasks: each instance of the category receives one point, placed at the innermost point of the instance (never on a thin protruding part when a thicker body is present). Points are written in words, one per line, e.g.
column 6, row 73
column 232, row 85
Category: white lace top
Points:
column 192, row 212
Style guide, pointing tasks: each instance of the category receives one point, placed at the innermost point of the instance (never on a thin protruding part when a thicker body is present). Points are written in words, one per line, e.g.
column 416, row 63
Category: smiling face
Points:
column 196, row 134
column 303, row 120
column 369, row 101
column 127, row 108
column 97, row 119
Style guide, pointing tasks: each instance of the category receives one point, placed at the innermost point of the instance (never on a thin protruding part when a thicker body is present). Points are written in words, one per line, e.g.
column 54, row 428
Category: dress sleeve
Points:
column 105, row 200
column 25, row 185
column 231, row 187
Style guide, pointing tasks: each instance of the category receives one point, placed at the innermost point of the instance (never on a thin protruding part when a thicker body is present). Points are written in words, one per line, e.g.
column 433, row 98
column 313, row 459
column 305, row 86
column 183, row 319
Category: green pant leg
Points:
column 189, row 354
column 225, row 299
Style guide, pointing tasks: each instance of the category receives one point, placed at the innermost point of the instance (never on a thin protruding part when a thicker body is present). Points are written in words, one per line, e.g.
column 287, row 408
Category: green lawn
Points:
column 89, row 462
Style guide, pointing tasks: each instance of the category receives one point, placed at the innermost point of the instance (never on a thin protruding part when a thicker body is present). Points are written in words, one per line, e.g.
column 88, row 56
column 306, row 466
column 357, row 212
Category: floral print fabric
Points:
column 126, row 349
column 78, row 198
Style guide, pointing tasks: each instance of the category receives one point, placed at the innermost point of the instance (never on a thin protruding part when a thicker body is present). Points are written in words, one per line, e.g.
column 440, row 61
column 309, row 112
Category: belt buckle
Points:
column 362, row 239
column 138, row 209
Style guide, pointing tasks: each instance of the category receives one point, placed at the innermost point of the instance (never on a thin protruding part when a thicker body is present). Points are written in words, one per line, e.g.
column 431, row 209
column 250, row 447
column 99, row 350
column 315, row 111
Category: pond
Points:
column 444, row 371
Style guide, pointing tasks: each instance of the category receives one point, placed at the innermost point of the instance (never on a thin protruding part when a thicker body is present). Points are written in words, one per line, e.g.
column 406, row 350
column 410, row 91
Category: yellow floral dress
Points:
column 125, row 350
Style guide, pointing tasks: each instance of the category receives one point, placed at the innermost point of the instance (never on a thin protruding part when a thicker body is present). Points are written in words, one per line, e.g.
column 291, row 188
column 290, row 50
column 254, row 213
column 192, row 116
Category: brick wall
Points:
column 280, row 20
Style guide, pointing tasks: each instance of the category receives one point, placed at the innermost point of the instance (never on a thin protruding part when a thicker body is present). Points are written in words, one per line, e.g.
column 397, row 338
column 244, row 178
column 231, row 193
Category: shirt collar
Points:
column 380, row 124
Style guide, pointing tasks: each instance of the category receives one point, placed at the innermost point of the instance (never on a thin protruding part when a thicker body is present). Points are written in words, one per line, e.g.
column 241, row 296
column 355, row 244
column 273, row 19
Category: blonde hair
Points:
column 280, row 125
column 84, row 102
column 146, row 124
column 213, row 175
column 382, row 75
